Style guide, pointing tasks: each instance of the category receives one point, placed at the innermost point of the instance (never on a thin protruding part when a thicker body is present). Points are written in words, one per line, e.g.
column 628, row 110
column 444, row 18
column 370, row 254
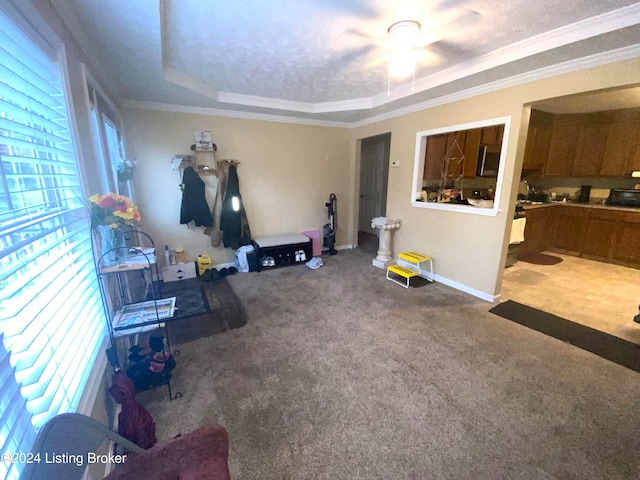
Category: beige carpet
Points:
column 341, row 374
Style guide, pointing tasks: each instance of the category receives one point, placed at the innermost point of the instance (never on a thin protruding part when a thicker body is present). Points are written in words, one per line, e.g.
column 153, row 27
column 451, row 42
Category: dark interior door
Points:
column 374, row 170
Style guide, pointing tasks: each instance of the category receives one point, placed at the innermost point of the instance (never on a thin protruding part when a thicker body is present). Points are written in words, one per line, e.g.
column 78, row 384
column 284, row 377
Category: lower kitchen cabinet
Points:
column 570, row 230
column 539, row 230
column 626, row 247
column 605, row 235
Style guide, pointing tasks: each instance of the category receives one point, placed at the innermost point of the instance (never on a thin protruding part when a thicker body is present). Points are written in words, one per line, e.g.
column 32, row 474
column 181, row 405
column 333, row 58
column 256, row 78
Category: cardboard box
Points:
column 179, row 271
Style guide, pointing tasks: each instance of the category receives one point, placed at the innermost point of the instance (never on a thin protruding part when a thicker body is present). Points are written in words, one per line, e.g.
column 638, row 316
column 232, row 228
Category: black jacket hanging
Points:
column 194, row 204
column 233, row 219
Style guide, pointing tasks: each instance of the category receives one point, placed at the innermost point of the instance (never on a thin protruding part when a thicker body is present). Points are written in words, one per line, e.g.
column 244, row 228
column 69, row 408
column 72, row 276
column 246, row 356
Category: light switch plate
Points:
column 395, row 163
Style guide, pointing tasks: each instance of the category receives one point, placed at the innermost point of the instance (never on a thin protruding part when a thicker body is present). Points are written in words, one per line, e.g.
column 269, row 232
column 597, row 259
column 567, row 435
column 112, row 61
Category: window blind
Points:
column 51, row 317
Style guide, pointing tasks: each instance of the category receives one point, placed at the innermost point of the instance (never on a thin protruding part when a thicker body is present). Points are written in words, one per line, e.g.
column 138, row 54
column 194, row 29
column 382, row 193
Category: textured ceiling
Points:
column 326, row 60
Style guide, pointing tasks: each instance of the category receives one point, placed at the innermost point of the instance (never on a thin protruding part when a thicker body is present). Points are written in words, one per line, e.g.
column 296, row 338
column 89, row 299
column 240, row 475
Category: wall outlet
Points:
column 395, row 163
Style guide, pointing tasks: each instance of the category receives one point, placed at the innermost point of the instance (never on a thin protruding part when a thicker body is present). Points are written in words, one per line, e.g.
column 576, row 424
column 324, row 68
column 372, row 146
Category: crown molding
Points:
column 217, row 112
column 582, row 30
column 596, row 60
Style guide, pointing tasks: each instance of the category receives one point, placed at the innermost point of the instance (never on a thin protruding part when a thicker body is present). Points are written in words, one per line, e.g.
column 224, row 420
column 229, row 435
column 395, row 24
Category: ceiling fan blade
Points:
column 440, row 32
column 381, row 60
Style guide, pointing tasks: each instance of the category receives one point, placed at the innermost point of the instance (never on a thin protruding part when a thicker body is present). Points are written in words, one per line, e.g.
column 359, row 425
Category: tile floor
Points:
column 596, row 294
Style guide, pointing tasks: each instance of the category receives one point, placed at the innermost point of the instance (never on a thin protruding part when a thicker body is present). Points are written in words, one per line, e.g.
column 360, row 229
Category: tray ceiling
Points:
column 327, row 61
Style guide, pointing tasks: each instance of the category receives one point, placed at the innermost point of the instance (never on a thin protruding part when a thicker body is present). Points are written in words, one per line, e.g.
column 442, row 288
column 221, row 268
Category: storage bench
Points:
column 284, row 250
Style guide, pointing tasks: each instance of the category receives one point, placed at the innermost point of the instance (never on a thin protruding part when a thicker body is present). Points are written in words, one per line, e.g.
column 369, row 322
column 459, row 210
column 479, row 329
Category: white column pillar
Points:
column 386, row 225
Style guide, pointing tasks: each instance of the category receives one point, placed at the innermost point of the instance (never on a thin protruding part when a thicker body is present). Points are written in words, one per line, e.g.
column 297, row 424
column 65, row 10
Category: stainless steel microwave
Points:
column 488, row 161
column 624, row 198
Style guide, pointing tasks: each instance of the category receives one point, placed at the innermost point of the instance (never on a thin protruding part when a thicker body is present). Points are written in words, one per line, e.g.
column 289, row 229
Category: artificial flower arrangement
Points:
column 113, row 210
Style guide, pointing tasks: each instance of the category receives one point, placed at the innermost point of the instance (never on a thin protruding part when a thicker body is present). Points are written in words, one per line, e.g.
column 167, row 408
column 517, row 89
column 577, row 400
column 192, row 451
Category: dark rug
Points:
column 540, row 259
column 191, row 299
column 600, row 343
column 224, row 310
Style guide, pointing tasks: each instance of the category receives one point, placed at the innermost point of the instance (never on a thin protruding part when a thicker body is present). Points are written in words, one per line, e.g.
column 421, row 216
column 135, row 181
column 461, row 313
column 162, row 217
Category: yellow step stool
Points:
column 411, row 264
column 403, row 272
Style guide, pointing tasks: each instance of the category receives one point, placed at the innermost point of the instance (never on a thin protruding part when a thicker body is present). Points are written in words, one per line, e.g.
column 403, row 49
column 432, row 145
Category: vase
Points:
column 114, row 248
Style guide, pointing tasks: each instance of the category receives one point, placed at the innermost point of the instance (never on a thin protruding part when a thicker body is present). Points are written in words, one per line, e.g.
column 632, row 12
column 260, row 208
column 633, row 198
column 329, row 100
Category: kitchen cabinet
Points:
column 603, row 144
column 571, row 227
column 471, row 148
column 562, row 148
column 590, row 147
column 622, row 148
column 539, row 230
column 437, row 148
column 492, row 135
column 538, row 139
column 435, row 151
column 600, row 234
column 626, row 248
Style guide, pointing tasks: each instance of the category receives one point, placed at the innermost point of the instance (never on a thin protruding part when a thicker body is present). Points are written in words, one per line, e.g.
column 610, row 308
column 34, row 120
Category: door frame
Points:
column 380, row 138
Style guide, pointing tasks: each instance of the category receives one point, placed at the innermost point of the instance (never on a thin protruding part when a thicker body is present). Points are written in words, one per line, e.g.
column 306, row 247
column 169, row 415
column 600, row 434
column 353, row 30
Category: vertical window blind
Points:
column 51, row 317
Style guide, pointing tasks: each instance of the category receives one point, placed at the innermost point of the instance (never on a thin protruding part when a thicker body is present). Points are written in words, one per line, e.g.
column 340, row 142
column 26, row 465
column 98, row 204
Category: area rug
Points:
column 191, row 299
column 541, row 259
column 600, row 343
column 224, row 311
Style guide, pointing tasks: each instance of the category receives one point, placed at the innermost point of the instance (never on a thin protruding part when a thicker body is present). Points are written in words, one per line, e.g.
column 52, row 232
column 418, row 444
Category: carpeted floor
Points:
column 340, row 373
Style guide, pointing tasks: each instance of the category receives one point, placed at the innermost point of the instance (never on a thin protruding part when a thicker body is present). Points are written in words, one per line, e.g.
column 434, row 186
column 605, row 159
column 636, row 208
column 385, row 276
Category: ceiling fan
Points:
column 407, row 41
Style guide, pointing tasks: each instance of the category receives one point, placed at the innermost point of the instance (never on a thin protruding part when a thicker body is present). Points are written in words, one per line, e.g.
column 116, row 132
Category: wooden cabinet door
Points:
column 539, row 230
column 590, row 147
column 571, row 227
column 622, row 150
column 562, row 148
column 627, row 243
column 537, row 147
column 599, row 238
column 471, row 150
column 434, row 158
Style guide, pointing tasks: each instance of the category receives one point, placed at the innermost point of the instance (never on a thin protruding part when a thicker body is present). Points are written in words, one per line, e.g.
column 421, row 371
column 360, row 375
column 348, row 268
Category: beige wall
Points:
column 288, row 171
column 286, row 174
column 469, row 250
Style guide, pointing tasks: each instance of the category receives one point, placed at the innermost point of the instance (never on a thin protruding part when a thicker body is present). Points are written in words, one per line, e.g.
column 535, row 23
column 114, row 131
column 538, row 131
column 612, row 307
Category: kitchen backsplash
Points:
column 571, row 185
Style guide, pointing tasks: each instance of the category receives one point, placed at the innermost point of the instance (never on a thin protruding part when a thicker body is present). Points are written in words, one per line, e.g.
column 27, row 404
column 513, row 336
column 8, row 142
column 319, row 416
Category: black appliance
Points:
column 329, row 230
column 624, row 198
column 585, row 193
column 488, row 161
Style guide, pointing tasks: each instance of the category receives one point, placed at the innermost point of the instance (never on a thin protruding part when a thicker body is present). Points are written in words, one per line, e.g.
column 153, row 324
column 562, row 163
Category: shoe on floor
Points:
column 315, row 262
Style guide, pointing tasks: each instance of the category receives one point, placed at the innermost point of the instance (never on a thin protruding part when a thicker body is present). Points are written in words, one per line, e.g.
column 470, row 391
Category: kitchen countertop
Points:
column 531, row 206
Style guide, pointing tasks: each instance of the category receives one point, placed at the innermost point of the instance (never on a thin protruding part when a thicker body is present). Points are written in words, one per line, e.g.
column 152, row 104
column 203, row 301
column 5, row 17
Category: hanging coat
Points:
column 214, row 231
column 233, row 219
column 194, row 204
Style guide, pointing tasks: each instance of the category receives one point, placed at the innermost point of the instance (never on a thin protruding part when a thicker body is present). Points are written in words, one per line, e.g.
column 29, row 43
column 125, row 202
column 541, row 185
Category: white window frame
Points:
column 418, row 168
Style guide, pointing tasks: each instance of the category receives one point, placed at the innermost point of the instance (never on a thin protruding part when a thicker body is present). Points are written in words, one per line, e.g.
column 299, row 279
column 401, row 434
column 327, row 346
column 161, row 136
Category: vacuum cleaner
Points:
column 329, row 230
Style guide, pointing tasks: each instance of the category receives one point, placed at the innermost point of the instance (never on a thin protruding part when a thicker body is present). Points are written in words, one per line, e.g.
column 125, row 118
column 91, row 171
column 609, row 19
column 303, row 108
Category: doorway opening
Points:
column 374, row 173
column 597, row 257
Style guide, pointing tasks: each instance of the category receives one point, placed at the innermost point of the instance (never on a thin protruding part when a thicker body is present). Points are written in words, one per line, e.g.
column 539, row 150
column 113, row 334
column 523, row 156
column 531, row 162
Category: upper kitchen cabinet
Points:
column 538, row 139
column 605, row 144
column 562, row 147
column 492, row 135
column 622, row 149
column 436, row 148
column 590, row 146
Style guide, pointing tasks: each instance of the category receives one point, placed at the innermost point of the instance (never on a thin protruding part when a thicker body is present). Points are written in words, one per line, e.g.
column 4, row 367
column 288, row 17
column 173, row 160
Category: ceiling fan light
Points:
column 402, row 64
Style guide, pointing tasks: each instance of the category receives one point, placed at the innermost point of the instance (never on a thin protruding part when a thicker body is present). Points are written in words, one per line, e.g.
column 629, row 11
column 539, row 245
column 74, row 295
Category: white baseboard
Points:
column 345, row 247
column 464, row 288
